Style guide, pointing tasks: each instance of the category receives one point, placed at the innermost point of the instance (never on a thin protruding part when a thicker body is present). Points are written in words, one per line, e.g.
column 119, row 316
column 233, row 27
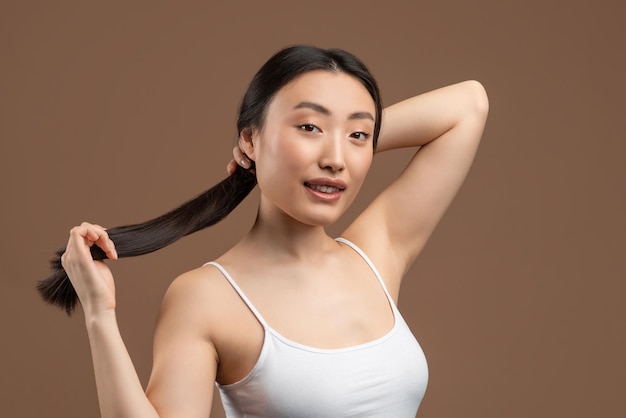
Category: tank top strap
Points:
column 371, row 265
column 239, row 292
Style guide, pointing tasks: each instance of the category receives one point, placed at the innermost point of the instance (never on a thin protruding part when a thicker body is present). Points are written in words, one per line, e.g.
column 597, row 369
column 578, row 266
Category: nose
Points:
column 332, row 155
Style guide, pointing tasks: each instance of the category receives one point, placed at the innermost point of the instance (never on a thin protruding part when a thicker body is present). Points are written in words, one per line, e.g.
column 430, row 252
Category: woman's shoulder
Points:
column 199, row 279
column 200, row 293
column 201, row 304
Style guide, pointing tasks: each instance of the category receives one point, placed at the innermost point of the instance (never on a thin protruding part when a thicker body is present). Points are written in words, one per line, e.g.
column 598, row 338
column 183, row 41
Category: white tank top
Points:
column 386, row 377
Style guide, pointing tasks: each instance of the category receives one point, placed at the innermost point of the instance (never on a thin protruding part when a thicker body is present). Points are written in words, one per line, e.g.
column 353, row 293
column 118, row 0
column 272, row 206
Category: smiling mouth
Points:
column 323, row 188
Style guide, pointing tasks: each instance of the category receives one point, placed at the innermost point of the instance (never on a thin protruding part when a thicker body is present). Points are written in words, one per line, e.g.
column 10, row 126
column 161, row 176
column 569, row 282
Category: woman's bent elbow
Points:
column 479, row 101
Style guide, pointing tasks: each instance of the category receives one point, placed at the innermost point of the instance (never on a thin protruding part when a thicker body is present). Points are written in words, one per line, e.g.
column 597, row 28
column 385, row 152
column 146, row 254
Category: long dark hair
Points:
column 216, row 203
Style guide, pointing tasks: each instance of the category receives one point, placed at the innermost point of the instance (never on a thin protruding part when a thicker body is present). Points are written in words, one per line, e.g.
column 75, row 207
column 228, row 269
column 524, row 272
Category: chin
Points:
column 322, row 220
column 322, row 215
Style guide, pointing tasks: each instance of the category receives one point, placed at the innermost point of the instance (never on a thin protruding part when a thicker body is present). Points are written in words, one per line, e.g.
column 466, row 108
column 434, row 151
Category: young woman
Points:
column 291, row 322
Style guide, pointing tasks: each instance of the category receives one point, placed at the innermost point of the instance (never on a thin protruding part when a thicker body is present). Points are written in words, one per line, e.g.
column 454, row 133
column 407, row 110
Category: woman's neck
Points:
column 280, row 236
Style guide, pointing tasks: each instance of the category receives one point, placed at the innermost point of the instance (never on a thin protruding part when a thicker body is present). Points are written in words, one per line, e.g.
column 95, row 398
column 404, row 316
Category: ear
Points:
column 247, row 142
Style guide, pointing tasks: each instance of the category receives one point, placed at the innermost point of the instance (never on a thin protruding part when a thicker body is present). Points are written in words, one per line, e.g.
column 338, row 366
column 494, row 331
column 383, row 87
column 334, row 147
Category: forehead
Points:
column 337, row 91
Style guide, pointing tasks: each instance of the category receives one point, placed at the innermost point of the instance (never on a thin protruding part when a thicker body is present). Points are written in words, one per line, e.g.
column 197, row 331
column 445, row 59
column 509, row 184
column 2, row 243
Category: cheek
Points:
column 362, row 165
column 278, row 161
column 280, row 151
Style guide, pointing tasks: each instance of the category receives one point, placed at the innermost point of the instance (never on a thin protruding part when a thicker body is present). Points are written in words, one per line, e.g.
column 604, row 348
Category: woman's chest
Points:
column 330, row 311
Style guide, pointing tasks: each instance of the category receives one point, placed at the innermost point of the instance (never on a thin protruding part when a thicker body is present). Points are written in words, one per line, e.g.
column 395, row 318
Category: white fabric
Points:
column 386, row 377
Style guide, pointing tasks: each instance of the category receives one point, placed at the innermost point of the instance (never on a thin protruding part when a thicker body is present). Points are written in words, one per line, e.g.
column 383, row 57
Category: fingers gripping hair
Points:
column 132, row 240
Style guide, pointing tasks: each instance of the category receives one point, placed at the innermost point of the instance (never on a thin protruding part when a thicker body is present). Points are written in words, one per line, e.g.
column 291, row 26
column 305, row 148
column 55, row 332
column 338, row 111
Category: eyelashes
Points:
column 309, row 127
column 358, row 135
column 361, row 136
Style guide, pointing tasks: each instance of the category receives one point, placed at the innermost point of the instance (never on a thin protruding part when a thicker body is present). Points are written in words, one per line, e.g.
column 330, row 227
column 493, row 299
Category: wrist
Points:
column 95, row 318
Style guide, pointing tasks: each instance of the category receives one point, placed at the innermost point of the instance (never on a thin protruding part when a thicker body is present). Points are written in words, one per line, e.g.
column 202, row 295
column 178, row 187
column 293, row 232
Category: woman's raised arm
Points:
column 447, row 125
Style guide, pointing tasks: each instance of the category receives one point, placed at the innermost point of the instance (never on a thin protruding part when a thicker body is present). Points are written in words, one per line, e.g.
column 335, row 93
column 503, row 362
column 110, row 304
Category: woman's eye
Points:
column 309, row 127
column 361, row 136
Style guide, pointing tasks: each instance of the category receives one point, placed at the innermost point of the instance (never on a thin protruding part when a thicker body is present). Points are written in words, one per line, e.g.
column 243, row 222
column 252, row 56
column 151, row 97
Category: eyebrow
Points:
column 323, row 110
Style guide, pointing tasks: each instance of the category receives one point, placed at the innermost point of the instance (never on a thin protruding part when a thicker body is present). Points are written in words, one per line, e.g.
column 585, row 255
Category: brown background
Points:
column 116, row 112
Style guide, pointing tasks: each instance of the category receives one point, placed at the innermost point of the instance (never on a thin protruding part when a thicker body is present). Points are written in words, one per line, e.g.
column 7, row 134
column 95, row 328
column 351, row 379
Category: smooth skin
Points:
column 307, row 286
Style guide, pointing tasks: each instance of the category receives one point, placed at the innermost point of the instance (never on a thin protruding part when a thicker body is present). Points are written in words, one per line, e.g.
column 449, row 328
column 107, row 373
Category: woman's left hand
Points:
column 239, row 158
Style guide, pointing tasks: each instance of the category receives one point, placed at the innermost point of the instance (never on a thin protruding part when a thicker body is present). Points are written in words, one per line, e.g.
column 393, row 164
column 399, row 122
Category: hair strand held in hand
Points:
column 132, row 240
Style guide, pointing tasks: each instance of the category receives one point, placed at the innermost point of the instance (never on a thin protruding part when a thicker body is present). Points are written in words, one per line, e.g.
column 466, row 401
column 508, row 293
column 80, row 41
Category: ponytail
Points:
column 216, row 203
column 131, row 240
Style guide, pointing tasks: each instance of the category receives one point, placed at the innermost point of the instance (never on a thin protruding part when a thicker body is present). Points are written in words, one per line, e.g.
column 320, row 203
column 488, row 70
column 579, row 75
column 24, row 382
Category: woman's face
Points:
column 315, row 147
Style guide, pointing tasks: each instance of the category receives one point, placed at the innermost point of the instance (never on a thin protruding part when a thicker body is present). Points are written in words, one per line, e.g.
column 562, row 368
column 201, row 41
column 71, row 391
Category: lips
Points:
column 325, row 189
column 326, row 185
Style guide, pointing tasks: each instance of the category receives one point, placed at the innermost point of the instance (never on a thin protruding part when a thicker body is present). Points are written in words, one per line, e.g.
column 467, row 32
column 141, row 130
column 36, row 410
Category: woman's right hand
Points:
column 91, row 279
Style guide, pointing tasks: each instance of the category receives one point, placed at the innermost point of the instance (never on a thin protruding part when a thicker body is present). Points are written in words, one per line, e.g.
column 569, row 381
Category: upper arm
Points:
column 185, row 360
column 449, row 123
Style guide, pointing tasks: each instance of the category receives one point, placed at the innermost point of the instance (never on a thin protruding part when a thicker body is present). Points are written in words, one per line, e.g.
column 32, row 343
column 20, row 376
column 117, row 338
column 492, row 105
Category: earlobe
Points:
column 247, row 142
